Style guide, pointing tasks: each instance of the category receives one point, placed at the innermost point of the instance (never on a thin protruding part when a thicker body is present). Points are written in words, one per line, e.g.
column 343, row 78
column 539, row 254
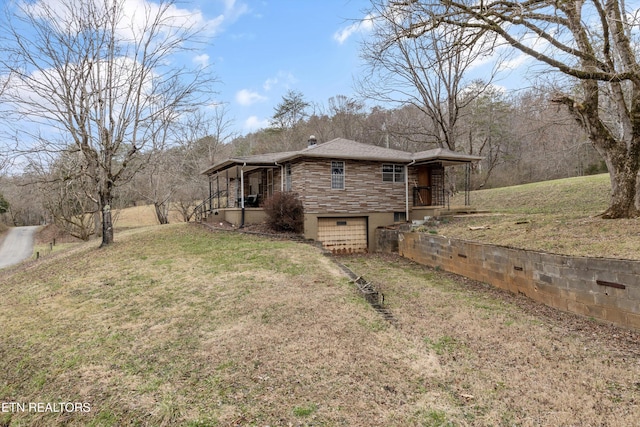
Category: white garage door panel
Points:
column 343, row 235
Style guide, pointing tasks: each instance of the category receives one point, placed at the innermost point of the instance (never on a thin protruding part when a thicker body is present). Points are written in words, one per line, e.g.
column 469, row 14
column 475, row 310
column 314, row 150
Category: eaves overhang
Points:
column 342, row 149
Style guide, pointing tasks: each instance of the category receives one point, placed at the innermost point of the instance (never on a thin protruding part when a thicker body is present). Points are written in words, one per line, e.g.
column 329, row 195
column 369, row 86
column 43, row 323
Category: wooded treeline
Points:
column 523, row 137
column 103, row 112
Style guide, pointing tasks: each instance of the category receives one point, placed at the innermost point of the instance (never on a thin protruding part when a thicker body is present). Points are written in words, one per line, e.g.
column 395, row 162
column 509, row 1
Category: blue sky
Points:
column 261, row 49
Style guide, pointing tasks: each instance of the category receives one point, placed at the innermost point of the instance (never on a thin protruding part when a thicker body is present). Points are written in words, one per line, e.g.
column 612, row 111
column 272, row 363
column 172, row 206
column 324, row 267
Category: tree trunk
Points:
column 97, row 224
column 623, row 161
column 621, row 153
column 623, row 172
column 107, row 222
column 162, row 212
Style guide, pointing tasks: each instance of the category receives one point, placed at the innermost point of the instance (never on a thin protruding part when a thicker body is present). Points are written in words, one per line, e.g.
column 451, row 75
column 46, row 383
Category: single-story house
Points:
column 347, row 188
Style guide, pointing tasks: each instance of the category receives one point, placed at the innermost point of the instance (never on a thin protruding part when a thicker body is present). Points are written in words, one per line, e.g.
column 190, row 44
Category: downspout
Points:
column 242, row 194
column 406, row 189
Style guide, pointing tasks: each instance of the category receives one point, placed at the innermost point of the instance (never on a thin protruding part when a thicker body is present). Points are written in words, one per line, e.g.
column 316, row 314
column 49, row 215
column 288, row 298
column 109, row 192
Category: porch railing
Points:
column 215, row 201
column 429, row 196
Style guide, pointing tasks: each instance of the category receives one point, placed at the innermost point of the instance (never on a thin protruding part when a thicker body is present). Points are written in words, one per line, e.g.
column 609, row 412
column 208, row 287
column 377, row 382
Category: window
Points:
column 393, row 173
column 287, row 177
column 337, row 175
column 399, row 217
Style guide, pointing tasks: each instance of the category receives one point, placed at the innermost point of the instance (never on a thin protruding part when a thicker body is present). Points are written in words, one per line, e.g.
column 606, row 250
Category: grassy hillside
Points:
column 580, row 196
column 141, row 216
column 179, row 326
column 560, row 216
column 124, row 219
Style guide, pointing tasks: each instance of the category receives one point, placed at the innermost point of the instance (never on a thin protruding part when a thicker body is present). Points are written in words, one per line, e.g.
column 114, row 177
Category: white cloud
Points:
column 254, row 123
column 362, row 26
column 270, row 83
column 245, row 97
column 516, row 62
column 283, row 78
column 136, row 16
column 202, row 60
column 234, row 9
column 517, row 59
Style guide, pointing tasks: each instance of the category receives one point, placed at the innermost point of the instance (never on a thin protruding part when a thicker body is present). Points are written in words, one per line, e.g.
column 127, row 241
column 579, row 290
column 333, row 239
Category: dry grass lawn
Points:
column 141, row 216
column 180, row 326
column 559, row 216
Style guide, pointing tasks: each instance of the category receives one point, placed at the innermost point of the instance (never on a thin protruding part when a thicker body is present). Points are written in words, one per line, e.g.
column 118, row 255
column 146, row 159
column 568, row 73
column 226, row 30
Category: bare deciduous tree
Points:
column 425, row 69
column 88, row 73
column 25, row 207
column 67, row 195
column 5, row 151
column 485, row 123
column 203, row 142
column 347, row 116
column 172, row 180
column 593, row 43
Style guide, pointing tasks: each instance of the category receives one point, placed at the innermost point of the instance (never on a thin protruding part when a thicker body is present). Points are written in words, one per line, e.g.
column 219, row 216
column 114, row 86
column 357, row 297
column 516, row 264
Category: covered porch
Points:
column 430, row 194
column 239, row 186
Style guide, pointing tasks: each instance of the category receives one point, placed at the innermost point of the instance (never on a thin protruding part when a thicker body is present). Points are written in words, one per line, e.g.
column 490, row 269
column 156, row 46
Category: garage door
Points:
column 343, row 235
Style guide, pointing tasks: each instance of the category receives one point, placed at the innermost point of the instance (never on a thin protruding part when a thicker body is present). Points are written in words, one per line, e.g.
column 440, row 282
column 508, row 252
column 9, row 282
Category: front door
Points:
column 424, row 183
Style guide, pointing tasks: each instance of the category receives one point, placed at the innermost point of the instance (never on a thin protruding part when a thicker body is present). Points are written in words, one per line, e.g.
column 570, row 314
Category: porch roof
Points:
column 341, row 148
column 447, row 157
column 268, row 159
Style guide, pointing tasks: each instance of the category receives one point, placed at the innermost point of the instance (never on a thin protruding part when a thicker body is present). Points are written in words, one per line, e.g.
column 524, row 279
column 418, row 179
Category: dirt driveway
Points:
column 17, row 245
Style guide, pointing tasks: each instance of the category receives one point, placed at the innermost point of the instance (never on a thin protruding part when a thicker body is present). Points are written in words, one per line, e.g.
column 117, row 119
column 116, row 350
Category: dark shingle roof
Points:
column 341, row 148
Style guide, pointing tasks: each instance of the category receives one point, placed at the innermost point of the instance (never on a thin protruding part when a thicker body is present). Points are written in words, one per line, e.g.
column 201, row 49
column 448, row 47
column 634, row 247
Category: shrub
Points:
column 284, row 212
column 4, row 205
column 596, row 168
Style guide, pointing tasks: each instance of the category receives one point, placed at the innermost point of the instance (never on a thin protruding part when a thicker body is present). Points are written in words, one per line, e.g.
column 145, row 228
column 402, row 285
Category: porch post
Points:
column 218, row 188
column 406, row 189
column 242, row 194
column 210, row 193
column 467, row 184
column 282, row 172
column 242, row 187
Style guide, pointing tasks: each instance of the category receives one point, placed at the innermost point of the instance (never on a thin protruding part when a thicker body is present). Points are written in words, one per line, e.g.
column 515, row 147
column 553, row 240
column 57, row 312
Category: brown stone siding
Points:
column 364, row 189
column 606, row 289
column 233, row 191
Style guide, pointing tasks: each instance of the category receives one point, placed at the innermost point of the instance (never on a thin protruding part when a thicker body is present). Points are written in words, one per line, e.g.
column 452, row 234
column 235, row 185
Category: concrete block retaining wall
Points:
column 602, row 288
